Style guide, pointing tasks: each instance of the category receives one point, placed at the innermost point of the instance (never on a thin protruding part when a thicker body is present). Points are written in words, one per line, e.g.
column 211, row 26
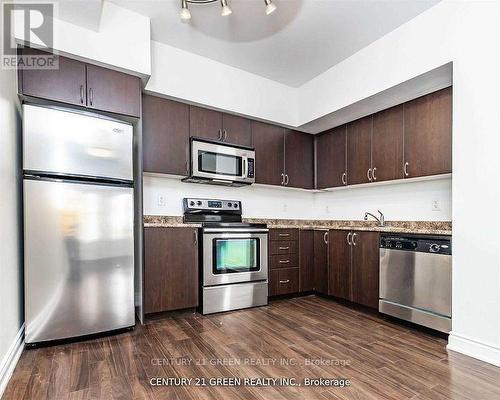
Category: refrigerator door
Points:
column 67, row 143
column 79, row 259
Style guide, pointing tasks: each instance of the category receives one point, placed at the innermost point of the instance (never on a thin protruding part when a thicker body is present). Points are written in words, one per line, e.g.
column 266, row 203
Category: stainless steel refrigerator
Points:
column 78, row 224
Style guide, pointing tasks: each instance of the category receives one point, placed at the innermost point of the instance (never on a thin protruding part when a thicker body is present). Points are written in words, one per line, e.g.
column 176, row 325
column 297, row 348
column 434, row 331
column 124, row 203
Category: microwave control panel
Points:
column 251, row 168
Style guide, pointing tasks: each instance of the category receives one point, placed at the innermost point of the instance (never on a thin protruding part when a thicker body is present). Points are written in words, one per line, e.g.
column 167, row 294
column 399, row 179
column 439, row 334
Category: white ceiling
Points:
column 299, row 41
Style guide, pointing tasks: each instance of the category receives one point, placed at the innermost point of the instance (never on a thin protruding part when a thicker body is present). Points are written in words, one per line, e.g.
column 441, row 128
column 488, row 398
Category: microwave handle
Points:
column 245, row 167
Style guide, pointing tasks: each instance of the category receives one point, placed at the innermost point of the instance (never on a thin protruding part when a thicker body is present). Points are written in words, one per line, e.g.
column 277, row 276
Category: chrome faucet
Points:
column 381, row 220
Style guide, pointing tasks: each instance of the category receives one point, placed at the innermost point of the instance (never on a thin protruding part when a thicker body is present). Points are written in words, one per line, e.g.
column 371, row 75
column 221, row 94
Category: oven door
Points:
column 221, row 162
column 232, row 257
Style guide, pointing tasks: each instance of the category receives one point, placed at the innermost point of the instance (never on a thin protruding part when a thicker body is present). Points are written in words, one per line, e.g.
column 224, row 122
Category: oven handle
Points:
column 234, row 230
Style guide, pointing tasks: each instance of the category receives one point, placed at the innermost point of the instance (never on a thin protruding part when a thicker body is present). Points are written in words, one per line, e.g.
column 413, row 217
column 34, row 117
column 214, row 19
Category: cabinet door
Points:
column 320, row 262
column 306, row 262
column 427, row 137
column 331, row 158
column 299, row 159
column 65, row 84
column 359, row 158
column 339, row 263
column 365, row 268
column 387, row 144
column 269, row 153
column 165, row 136
column 205, row 123
column 113, row 91
column 237, row 130
column 170, row 269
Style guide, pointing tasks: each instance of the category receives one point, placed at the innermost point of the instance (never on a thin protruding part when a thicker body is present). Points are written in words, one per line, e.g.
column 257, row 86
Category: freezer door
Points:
column 67, row 143
column 79, row 259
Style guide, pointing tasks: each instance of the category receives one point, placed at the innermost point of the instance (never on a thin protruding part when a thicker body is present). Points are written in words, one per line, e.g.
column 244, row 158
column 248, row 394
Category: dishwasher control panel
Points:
column 424, row 244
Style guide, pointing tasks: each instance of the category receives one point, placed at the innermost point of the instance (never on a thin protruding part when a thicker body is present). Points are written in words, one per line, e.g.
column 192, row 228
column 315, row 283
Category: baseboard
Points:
column 10, row 360
column 473, row 348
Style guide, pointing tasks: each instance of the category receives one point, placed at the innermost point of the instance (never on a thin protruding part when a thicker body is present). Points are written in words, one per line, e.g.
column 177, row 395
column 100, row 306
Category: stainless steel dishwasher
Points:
column 415, row 279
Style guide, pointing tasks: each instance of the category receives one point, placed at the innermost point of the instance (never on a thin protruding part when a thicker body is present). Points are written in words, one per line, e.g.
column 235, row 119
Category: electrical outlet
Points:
column 327, row 209
column 436, row 205
column 285, row 207
column 161, row 201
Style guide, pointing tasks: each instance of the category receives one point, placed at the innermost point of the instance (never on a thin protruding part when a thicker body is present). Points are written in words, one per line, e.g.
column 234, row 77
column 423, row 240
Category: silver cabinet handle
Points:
column 325, row 238
column 368, row 174
column 195, row 238
column 225, row 134
column 81, row 94
column 187, row 167
column 283, row 234
column 282, row 179
column 284, row 261
column 286, row 180
column 285, row 281
column 373, row 173
column 285, row 248
column 349, row 238
column 405, row 169
column 91, row 96
column 353, row 238
column 344, row 180
column 220, row 134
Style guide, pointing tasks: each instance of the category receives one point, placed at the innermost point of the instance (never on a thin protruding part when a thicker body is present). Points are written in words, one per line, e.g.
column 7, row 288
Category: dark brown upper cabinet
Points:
column 427, row 134
column 359, row 155
column 299, row 159
column 113, row 91
column 236, row 130
column 387, row 144
column 170, row 269
column 205, row 123
column 65, row 84
column 269, row 153
column 215, row 125
column 331, row 158
column 86, row 85
column 165, row 136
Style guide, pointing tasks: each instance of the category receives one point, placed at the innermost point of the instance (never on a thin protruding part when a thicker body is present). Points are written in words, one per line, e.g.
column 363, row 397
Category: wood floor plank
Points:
column 381, row 358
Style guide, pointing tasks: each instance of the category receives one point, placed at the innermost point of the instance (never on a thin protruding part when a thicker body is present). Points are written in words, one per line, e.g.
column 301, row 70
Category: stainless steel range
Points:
column 233, row 256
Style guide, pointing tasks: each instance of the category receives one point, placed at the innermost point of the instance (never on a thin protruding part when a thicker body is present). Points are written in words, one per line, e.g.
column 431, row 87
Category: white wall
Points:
column 403, row 201
column 185, row 76
column 11, row 294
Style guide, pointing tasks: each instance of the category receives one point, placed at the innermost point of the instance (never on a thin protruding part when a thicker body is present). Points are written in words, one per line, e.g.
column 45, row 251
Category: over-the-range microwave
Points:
column 221, row 163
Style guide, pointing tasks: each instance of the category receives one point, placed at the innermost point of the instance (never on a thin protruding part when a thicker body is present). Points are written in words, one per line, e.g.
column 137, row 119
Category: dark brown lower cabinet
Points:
column 340, row 264
column 354, row 266
column 320, row 258
column 283, row 281
column 170, row 269
column 306, row 263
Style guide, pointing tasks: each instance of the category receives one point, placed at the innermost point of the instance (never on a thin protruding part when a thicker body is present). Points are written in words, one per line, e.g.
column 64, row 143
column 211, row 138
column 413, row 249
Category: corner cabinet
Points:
column 331, row 158
column 283, row 157
column 82, row 84
column 170, row 269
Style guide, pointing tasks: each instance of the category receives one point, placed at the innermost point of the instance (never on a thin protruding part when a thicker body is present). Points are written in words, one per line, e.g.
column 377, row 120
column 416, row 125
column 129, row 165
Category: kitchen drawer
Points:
column 284, row 281
column 283, row 247
column 284, row 261
column 284, row 234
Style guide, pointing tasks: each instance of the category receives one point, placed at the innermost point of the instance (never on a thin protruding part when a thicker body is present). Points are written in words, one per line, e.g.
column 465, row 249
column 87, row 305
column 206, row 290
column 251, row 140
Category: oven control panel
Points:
column 193, row 205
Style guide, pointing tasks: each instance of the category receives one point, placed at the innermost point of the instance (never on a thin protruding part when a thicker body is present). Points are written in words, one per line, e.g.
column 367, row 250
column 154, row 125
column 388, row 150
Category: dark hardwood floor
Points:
column 383, row 360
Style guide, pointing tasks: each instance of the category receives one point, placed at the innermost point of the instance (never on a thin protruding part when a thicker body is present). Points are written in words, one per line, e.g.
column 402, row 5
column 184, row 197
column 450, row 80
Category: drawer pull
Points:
column 284, row 261
column 285, row 248
column 285, row 281
column 283, row 234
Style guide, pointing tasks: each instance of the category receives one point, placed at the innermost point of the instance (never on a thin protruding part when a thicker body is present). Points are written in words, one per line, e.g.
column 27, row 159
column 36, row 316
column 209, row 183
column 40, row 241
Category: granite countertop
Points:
column 423, row 227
